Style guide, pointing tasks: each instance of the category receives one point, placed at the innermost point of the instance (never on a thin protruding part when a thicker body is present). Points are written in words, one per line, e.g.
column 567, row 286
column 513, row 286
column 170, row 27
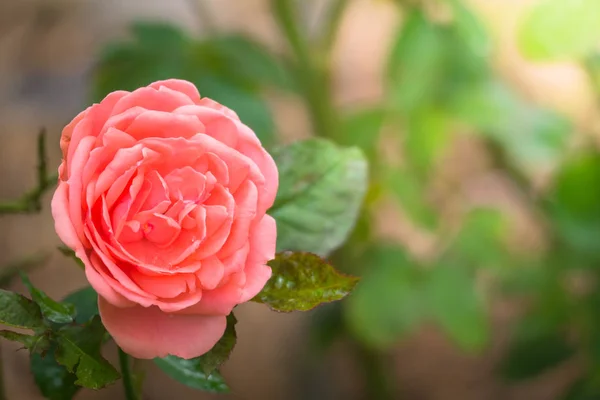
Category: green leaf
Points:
column 561, row 30
column 389, row 301
column 53, row 380
column 189, row 372
column 583, row 389
column 220, row 353
column 157, row 51
column 362, row 129
column 51, row 310
column 302, row 281
column 457, row 308
column 160, row 51
column 321, row 188
column 470, row 29
column 416, row 63
column 34, row 343
column 410, row 191
column 532, row 353
column 259, row 65
column 19, row 312
column 532, row 136
column 479, row 241
column 575, row 198
column 86, row 303
column 429, row 131
column 79, row 351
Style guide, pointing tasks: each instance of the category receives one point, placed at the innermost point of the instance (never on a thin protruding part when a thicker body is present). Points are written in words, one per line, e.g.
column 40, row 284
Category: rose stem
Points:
column 130, row 393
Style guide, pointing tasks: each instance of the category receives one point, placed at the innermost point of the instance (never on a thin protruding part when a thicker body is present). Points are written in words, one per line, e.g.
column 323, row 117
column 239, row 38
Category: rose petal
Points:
column 211, row 273
column 150, row 99
column 263, row 239
column 147, row 333
column 62, row 220
column 161, row 124
column 179, row 85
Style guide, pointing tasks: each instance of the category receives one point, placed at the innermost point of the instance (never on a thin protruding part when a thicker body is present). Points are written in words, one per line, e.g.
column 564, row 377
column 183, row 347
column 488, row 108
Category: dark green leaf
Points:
column 53, row 380
column 86, row 303
column 211, row 361
column 79, row 351
column 559, row 30
column 457, row 308
column 388, row 303
column 157, row 51
column 302, row 281
column 51, row 310
column 259, row 65
column 532, row 354
column 321, row 188
column 38, row 343
column 189, row 372
column 160, row 51
column 583, row 389
column 20, row 312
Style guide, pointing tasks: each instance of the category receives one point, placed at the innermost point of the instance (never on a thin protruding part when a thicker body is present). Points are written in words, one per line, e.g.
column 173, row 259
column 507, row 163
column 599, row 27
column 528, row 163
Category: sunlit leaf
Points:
column 560, row 30
column 575, row 198
column 321, row 188
column 302, row 281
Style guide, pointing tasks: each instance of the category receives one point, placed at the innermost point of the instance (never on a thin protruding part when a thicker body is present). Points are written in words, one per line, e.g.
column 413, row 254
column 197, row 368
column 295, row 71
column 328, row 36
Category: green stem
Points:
column 130, row 393
column 311, row 72
column 377, row 382
column 331, row 28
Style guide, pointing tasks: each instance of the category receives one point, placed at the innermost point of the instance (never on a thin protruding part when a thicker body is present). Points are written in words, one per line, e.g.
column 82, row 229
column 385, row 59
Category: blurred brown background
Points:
column 47, row 48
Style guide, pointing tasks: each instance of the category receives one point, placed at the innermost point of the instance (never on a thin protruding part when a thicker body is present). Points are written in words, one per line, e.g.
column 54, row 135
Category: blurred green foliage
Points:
column 440, row 88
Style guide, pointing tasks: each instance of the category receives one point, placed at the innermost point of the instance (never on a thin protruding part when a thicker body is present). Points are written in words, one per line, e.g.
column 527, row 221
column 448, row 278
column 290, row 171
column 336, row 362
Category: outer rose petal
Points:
column 62, row 221
column 147, row 333
column 262, row 249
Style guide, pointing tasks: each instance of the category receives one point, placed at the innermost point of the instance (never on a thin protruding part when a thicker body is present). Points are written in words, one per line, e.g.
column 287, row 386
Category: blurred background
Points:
column 479, row 240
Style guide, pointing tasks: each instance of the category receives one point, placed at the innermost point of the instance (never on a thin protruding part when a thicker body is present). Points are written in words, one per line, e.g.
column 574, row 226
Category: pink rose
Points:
column 163, row 195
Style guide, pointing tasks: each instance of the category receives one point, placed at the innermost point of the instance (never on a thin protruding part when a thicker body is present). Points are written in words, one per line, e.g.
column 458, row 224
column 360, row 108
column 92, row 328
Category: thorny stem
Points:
column 30, row 202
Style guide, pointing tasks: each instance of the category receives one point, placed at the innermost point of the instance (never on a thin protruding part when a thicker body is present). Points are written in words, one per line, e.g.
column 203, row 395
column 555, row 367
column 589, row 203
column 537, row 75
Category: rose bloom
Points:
column 163, row 196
